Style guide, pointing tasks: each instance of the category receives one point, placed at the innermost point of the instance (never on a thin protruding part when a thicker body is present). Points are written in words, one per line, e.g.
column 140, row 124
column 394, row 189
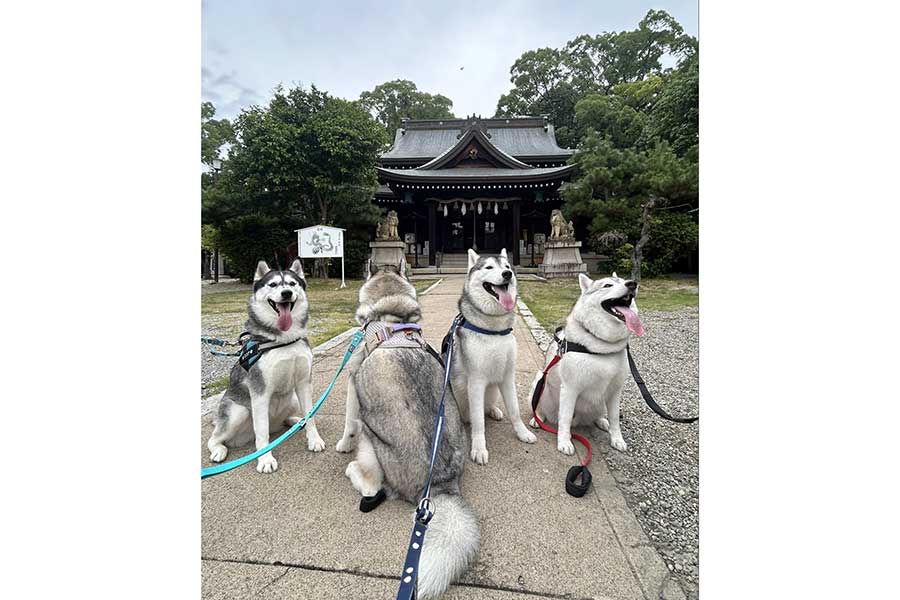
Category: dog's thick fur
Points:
column 584, row 389
column 392, row 401
column 265, row 398
column 484, row 366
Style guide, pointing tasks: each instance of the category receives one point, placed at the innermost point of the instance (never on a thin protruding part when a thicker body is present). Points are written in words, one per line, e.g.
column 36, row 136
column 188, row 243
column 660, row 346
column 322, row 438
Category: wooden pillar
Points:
column 517, row 230
column 432, row 233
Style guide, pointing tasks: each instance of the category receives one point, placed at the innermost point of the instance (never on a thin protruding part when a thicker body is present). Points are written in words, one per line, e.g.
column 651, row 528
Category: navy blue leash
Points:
column 216, row 470
column 425, row 509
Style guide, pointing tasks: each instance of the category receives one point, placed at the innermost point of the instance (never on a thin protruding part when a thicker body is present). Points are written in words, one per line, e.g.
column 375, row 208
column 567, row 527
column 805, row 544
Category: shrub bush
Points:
column 247, row 239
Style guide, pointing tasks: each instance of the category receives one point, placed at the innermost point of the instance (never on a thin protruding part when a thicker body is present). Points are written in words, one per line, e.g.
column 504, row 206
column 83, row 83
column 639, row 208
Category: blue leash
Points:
column 425, row 509
column 211, row 341
column 216, row 470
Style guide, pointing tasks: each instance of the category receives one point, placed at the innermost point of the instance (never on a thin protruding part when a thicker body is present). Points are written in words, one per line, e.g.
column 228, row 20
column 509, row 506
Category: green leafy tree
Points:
column 391, row 101
column 214, row 134
column 303, row 159
column 624, row 64
column 675, row 115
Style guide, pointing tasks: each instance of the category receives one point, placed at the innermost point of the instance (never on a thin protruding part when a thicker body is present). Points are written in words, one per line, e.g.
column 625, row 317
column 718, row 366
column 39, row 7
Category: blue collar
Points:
column 466, row 325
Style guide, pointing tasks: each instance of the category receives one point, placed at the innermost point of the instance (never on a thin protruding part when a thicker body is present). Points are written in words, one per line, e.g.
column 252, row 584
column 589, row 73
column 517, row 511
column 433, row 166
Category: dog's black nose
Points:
column 507, row 275
column 286, row 294
column 631, row 285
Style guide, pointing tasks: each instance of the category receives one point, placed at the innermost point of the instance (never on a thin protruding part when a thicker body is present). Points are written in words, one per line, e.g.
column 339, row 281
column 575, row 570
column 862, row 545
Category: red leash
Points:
column 574, row 489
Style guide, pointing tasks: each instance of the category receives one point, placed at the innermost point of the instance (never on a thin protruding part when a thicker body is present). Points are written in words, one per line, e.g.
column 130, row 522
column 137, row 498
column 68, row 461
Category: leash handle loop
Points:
column 224, row 467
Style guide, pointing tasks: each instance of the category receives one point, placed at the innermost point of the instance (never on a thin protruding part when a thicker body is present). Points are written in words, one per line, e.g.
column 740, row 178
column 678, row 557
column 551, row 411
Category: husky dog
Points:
column 587, row 388
column 392, row 410
column 265, row 397
column 484, row 365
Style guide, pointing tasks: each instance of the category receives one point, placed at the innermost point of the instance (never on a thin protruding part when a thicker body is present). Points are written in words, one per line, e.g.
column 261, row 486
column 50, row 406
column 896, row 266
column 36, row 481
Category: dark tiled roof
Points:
column 519, row 137
column 494, row 174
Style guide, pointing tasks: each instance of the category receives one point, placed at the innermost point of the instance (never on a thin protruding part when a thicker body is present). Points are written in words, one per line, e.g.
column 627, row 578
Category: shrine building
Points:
column 475, row 183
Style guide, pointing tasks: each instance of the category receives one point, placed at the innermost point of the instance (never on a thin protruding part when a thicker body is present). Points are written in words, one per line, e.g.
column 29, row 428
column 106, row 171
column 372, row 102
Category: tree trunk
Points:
column 637, row 254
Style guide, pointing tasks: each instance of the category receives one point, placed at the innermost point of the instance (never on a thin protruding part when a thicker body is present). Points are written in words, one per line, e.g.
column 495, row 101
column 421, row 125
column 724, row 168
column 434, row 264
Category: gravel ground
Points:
column 659, row 474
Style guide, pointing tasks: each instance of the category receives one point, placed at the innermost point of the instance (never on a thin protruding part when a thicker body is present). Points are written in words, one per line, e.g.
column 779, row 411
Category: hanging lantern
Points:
column 505, row 206
column 445, row 210
column 464, row 208
column 456, row 206
column 479, row 208
column 496, row 210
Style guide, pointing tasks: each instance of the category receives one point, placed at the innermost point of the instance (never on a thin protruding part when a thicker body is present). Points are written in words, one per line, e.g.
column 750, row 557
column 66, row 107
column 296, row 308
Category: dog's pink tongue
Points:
column 285, row 319
column 632, row 320
column 507, row 301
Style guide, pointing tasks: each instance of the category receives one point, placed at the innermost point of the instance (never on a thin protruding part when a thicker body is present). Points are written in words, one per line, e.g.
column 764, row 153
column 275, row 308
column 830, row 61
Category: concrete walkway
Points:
column 298, row 533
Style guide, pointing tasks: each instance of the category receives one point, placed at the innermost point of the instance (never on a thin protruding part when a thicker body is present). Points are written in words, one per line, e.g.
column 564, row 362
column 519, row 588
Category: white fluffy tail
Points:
column 450, row 545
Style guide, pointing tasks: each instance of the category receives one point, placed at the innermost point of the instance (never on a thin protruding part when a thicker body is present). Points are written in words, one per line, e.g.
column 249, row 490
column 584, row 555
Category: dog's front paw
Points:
column 218, row 453
column 533, row 423
column 618, row 443
column 526, row 436
column 480, row 455
column 495, row 413
column 266, row 464
column 315, row 443
column 602, row 423
column 566, row 447
column 345, row 444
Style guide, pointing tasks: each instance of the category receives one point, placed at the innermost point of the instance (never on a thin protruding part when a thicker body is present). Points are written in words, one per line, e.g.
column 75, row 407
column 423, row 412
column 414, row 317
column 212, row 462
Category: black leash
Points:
column 648, row 397
column 425, row 509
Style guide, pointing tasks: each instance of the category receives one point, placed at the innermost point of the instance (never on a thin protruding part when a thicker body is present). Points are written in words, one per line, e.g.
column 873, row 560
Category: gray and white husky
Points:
column 584, row 389
column 391, row 411
column 265, row 397
column 484, row 366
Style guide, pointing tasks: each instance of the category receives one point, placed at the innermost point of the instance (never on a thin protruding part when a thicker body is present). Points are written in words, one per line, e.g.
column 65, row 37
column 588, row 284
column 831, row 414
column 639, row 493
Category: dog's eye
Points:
column 489, row 267
column 292, row 284
column 273, row 284
column 607, row 285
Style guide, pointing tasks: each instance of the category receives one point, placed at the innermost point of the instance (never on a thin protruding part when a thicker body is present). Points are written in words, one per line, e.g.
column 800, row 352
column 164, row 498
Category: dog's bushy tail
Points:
column 451, row 543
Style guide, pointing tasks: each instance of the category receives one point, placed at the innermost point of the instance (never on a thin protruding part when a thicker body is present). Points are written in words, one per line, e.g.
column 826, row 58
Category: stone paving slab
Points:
column 536, row 539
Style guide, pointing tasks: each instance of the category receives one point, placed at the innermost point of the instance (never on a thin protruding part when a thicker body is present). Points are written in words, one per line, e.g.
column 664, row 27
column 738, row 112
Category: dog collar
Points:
column 563, row 345
column 466, row 325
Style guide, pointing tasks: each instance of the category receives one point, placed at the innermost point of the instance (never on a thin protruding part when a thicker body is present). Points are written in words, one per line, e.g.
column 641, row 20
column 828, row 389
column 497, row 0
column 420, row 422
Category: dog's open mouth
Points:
column 620, row 308
column 283, row 310
column 501, row 293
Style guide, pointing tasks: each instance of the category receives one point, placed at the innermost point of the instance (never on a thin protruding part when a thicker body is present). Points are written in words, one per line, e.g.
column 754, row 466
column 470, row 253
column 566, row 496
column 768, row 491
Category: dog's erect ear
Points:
column 297, row 267
column 261, row 269
column 473, row 258
column 614, row 275
column 371, row 269
column 402, row 267
column 503, row 253
column 585, row 282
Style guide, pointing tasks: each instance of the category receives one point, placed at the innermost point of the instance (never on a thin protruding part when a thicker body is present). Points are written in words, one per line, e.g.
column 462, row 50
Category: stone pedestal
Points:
column 387, row 252
column 562, row 258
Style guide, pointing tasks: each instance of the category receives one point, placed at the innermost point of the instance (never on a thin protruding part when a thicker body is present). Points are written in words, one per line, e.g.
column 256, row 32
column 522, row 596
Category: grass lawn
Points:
column 331, row 309
column 551, row 301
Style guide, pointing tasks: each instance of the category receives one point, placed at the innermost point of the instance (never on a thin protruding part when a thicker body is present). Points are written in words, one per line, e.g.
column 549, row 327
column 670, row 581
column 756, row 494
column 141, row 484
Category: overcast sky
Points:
column 461, row 50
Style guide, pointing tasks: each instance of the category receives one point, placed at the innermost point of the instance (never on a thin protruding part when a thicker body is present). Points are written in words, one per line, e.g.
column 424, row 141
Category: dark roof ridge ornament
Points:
column 476, row 123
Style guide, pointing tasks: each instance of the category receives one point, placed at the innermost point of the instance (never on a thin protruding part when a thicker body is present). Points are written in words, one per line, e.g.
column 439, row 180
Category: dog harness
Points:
column 251, row 350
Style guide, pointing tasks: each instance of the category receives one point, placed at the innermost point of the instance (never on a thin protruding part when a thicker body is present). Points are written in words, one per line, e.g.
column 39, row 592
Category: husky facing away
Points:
column 484, row 364
column 587, row 388
column 264, row 397
column 392, row 401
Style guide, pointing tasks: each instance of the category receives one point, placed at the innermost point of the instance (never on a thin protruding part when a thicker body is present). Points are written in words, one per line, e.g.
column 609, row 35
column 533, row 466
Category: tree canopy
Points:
column 306, row 157
column 393, row 100
column 214, row 134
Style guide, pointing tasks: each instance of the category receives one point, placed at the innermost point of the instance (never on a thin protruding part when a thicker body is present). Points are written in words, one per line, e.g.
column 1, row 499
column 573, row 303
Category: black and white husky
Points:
column 586, row 388
column 392, row 400
column 484, row 364
column 265, row 397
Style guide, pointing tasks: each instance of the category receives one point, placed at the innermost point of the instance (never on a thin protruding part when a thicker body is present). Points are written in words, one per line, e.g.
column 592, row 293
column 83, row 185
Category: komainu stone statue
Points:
column 559, row 229
column 387, row 229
